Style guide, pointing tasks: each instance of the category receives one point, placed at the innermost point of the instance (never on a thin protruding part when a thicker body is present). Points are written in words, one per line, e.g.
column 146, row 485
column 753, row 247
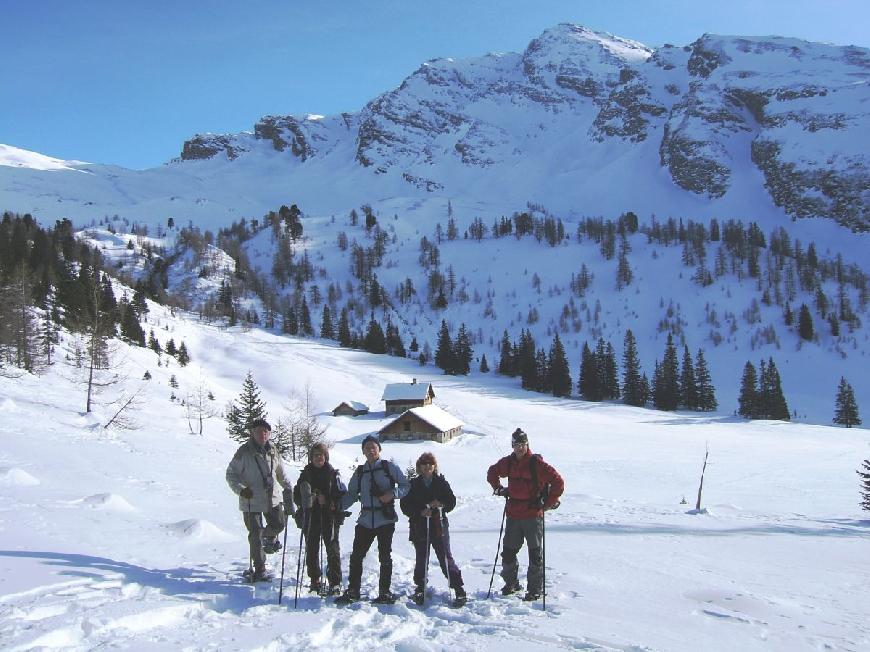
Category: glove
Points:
column 553, row 506
column 247, row 492
column 287, row 497
column 502, row 491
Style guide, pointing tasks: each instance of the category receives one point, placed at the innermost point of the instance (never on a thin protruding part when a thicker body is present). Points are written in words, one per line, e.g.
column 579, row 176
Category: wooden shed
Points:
column 428, row 422
column 399, row 397
column 350, row 409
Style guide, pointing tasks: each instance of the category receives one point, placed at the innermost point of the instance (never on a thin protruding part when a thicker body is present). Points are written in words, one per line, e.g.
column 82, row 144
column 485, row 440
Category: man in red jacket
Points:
column 533, row 486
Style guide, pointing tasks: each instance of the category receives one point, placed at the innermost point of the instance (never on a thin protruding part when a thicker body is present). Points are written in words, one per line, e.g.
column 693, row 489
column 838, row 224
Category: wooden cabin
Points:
column 429, row 423
column 350, row 409
column 400, row 397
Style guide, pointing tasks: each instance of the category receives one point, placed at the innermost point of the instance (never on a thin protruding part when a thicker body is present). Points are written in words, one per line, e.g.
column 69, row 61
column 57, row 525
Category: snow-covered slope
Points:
column 132, row 540
column 581, row 122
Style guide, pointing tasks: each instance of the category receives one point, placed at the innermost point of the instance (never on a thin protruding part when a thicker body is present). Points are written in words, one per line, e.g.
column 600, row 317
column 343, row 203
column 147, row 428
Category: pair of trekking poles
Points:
column 543, row 554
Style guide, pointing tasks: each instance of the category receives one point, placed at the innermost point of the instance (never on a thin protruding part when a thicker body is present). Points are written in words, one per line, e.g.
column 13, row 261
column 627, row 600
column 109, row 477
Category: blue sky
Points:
column 127, row 81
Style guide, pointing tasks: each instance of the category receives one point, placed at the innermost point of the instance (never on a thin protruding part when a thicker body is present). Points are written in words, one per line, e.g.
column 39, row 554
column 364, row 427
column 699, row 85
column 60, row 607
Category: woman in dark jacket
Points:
column 426, row 506
column 321, row 519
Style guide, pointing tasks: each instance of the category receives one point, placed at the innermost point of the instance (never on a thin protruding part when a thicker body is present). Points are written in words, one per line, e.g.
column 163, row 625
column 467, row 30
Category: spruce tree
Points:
column 375, row 342
column 688, row 382
column 748, row 399
column 327, row 331
column 484, row 365
column 394, row 343
column 305, row 327
column 131, row 330
column 170, row 348
column 632, row 389
column 706, row 392
column 610, row 373
column 506, row 363
column 444, row 358
column 153, row 343
column 560, row 374
column 845, row 406
column 527, row 363
column 805, row 323
column 291, row 322
column 462, row 352
column 587, row 383
column 242, row 412
column 344, row 336
column 668, row 386
column 183, row 356
column 777, row 408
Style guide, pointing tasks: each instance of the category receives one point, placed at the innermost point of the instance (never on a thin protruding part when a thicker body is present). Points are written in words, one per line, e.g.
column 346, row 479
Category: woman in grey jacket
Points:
column 376, row 485
column 257, row 476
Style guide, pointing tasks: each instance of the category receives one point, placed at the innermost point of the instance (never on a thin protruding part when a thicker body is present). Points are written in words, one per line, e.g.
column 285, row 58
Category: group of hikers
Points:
column 319, row 501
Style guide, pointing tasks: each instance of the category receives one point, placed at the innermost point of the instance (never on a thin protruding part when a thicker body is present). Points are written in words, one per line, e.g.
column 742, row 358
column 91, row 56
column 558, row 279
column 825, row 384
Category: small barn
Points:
column 350, row 409
column 428, row 422
column 400, row 397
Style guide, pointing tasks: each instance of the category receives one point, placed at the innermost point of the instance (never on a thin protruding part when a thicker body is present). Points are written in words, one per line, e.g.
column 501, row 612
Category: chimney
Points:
column 414, row 381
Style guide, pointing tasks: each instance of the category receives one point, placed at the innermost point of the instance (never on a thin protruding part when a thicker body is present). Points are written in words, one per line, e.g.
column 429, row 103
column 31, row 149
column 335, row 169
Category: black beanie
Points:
column 370, row 438
column 256, row 423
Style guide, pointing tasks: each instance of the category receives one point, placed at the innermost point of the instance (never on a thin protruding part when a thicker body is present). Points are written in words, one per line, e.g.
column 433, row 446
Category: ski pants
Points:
column 323, row 527
column 518, row 530
column 275, row 523
column 440, row 542
column 363, row 538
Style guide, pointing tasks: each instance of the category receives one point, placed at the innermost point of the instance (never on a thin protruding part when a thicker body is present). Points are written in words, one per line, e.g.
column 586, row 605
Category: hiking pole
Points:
column 545, row 496
column 250, row 552
column 444, row 552
column 305, row 495
column 498, row 548
column 299, row 555
column 283, row 553
column 428, row 548
column 320, row 589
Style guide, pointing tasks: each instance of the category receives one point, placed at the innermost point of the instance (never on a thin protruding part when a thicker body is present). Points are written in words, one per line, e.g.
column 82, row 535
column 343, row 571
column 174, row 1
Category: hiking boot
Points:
column 271, row 545
column 348, row 597
column 262, row 575
column 385, row 598
column 333, row 589
column 531, row 596
column 419, row 596
column 511, row 588
column 461, row 597
column 315, row 586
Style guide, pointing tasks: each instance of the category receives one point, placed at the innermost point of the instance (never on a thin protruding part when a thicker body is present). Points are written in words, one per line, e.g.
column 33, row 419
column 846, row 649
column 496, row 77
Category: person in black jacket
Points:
column 322, row 518
column 426, row 506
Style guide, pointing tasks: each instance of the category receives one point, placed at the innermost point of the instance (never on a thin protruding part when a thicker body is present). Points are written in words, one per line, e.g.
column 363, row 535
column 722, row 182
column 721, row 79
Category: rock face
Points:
column 798, row 112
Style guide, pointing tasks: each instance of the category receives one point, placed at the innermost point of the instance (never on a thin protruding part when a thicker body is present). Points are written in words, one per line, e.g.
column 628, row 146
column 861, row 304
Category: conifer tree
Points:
column 344, row 335
column 506, row 362
column 291, row 322
column 131, row 330
column 845, row 406
column 327, row 331
column 805, row 323
column 375, row 342
column 632, row 389
column 542, row 373
column 153, row 343
column 667, row 390
column 865, row 486
column 462, row 352
column 527, row 363
column 444, row 358
column 560, row 373
column 305, row 327
column 706, row 392
column 775, row 404
column 183, row 356
column 170, row 347
column 587, row 383
column 393, row 341
column 688, row 382
column 610, row 373
column 484, row 365
column 748, row 399
column 242, row 412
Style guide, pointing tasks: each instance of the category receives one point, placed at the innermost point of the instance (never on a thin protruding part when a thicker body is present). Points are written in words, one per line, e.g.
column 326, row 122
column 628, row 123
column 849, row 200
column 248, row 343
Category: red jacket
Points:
column 520, row 486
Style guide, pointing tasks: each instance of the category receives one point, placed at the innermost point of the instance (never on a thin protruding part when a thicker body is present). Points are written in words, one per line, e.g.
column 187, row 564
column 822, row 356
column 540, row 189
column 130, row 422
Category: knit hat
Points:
column 319, row 447
column 519, row 437
column 256, row 423
column 370, row 438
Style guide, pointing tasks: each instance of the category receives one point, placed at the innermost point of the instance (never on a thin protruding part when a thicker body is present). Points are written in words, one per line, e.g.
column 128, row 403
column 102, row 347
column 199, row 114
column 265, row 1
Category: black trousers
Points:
column 363, row 538
column 275, row 523
column 322, row 527
column 439, row 539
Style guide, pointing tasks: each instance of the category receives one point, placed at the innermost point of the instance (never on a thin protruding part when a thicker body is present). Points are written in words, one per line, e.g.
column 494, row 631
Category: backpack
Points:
column 389, row 509
column 538, row 500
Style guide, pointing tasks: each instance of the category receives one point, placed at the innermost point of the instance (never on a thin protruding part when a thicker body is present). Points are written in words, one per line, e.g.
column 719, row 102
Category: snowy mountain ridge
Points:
column 582, row 122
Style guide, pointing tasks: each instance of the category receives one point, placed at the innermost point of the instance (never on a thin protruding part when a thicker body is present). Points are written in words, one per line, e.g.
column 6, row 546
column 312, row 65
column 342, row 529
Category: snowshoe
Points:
column 511, row 587
column 333, row 589
column 257, row 576
column 385, row 598
column 418, row 597
column 271, row 546
column 348, row 597
column 315, row 587
column 461, row 598
column 531, row 596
